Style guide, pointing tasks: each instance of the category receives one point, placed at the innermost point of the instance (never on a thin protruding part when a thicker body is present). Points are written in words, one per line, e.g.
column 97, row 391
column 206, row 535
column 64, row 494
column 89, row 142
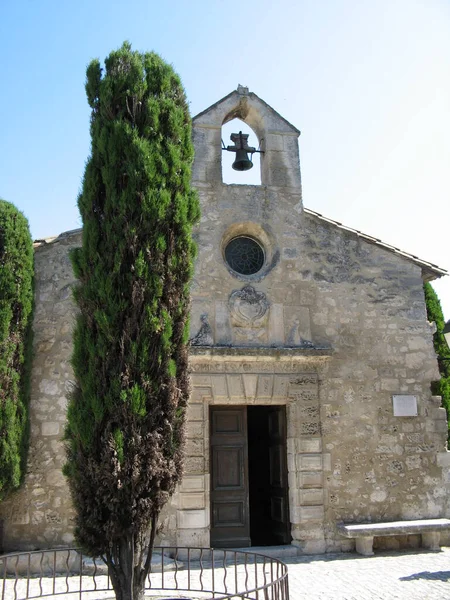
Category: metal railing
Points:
column 218, row 574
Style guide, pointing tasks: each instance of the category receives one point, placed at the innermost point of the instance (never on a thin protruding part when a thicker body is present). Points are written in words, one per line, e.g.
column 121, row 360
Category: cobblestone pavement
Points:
column 407, row 575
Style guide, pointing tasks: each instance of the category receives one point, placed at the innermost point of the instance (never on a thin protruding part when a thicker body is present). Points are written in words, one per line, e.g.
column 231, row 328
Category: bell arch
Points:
column 229, row 175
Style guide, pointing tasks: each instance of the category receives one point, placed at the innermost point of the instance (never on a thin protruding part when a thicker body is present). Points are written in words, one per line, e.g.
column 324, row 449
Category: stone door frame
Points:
column 231, row 382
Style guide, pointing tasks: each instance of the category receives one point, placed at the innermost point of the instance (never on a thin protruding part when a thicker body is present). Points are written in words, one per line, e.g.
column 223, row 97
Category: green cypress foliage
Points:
column 434, row 313
column 16, row 303
column 125, row 431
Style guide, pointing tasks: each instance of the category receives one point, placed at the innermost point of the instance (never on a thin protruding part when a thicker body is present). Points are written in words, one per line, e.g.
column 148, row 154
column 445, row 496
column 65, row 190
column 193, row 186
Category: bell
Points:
column 242, row 162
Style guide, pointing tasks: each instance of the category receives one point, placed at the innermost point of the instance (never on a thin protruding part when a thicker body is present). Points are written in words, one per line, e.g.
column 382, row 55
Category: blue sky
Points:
column 367, row 83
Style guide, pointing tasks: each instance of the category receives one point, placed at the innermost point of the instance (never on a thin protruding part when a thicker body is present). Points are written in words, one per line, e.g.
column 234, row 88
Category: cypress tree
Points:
column 16, row 303
column 126, row 415
column 434, row 313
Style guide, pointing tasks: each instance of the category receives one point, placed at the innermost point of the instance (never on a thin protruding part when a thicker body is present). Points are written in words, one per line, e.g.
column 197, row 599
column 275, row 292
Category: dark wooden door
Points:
column 278, row 490
column 230, row 523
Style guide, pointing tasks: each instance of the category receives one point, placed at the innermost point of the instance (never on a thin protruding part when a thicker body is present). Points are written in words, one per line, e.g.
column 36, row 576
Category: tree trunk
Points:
column 126, row 577
column 129, row 565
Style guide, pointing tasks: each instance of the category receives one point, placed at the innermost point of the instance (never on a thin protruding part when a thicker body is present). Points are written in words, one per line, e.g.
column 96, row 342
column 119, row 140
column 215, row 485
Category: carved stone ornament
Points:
column 204, row 335
column 248, row 308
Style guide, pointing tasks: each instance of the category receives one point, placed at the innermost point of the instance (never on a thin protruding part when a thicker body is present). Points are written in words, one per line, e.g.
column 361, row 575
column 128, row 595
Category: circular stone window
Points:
column 244, row 255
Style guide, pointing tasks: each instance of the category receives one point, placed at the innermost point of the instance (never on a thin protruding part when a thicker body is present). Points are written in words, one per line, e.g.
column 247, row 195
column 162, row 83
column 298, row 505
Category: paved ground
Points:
column 407, row 575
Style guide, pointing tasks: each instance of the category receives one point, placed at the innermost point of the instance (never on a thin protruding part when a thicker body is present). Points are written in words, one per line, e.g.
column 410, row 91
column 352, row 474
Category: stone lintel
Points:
column 255, row 353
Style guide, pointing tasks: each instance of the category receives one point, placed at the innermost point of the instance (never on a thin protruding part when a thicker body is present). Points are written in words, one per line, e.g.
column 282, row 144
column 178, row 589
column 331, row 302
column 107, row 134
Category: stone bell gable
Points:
column 311, row 360
column 277, row 137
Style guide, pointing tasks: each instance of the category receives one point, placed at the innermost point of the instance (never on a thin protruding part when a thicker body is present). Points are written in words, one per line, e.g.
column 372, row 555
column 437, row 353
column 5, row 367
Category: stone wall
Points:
column 370, row 308
column 40, row 514
column 366, row 305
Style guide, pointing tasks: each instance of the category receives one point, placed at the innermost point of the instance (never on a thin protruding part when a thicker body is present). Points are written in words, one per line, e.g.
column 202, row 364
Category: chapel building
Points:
column 312, row 361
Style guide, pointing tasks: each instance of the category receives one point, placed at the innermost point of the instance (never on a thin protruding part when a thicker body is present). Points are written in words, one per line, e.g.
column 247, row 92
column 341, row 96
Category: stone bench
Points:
column 363, row 533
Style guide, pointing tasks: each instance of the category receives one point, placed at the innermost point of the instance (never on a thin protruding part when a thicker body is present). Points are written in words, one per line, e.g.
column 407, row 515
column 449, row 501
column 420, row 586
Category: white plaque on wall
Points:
column 404, row 406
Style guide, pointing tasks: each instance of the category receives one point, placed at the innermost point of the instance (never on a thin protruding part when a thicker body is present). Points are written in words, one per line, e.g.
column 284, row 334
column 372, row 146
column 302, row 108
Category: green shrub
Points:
column 16, row 303
column 434, row 313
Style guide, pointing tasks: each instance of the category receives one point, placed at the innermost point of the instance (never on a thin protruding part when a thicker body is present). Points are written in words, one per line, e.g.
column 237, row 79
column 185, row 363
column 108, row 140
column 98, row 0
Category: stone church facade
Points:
column 311, row 359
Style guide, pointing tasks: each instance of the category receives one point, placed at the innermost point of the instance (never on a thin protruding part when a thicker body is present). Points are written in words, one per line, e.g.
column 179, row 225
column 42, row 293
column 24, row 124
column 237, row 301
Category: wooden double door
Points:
column 249, row 491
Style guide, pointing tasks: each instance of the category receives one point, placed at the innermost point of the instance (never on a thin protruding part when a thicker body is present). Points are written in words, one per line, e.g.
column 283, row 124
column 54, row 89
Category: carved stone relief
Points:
column 204, row 336
column 298, row 326
column 248, row 307
column 249, row 312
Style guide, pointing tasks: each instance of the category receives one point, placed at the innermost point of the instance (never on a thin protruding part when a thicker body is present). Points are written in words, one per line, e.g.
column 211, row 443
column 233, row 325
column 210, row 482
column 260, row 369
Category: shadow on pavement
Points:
column 353, row 556
column 436, row 576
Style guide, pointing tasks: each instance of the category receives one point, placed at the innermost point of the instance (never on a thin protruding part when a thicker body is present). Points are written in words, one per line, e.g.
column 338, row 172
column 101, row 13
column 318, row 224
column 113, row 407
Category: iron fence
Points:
column 206, row 572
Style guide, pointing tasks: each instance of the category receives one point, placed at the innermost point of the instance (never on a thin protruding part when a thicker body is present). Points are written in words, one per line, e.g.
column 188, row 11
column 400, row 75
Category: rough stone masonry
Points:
column 330, row 324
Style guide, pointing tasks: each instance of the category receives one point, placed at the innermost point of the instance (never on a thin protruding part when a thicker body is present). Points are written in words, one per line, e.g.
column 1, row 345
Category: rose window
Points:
column 244, row 255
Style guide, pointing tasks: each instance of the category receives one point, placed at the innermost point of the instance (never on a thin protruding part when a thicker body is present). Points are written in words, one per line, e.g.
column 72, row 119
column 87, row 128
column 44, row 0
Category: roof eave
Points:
column 430, row 271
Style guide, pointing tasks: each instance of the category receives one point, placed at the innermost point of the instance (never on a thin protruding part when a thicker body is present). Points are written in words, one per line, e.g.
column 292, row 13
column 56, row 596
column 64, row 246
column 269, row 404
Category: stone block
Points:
column 431, row 540
column 312, row 546
column 192, row 538
column 311, row 497
column 20, row 517
column 192, row 483
column 192, row 519
column 265, row 386
column 364, row 545
column 191, row 501
column 195, row 412
column 309, row 462
column 200, row 394
column 50, row 428
column 311, row 513
column 291, row 463
column 310, row 445
column 390, row 385
column 195, row 447
column 311, row 479
column 195, row 429
column 223, row 328
column 49, row 387
column 436, row 426
column 274, row 142
column 219, row 387
column 281, row 385
column 250, row 383
column 276, row 325
column 194, row 464
column 291, row 442
column 443, row 459
column 199, row 380
column 235, row 386
column 326, row 461
column 438, row 413
column 55, row 478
